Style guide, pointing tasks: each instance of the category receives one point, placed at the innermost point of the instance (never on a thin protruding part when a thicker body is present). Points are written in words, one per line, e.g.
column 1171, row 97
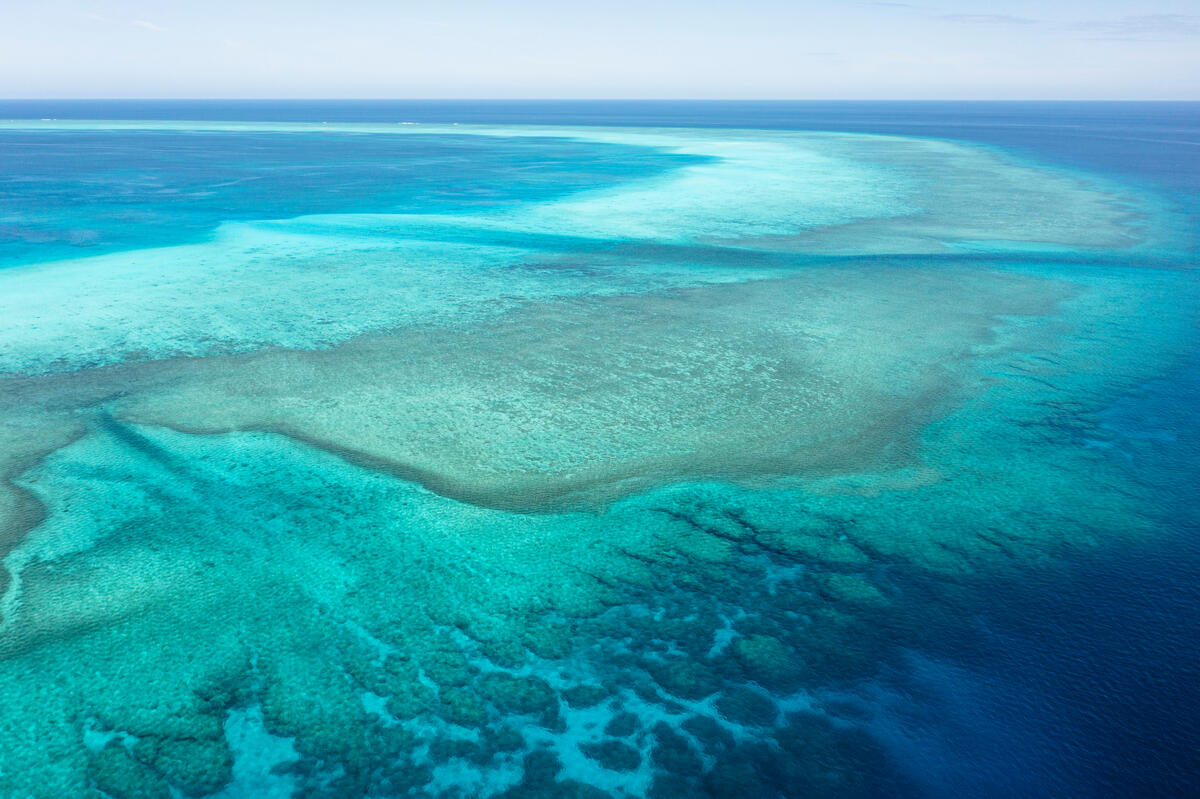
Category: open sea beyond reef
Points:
column 604, row 449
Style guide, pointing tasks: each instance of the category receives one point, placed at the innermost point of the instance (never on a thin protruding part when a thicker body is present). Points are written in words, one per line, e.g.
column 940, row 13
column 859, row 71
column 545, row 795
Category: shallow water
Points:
column 585, row 460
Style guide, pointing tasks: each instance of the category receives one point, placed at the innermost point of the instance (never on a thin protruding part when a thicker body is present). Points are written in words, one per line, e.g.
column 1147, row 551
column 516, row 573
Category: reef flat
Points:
column 607, row 491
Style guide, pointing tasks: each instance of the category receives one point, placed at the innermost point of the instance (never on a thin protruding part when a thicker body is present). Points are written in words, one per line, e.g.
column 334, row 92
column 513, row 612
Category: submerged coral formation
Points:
column 606, row 495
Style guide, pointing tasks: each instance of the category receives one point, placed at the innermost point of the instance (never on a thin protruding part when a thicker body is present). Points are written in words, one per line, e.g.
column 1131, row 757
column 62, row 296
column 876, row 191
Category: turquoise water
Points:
column 142, row 188
column 345, row 457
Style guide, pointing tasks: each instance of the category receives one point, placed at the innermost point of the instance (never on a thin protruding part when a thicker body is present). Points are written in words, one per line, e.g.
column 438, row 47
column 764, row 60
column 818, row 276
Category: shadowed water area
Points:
column 350, row 458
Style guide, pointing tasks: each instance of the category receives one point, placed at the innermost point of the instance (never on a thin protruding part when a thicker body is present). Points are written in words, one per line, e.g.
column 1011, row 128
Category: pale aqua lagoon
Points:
column 674, row 456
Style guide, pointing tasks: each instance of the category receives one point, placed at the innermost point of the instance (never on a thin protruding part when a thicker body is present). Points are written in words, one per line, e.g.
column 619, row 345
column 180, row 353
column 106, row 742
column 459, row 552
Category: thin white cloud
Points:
column 150, row 26
column 1142, row 27
column 988, row 19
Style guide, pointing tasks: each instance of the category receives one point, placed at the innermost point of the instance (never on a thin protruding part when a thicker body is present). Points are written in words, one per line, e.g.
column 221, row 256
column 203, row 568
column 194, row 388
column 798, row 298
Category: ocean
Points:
column 599, row 449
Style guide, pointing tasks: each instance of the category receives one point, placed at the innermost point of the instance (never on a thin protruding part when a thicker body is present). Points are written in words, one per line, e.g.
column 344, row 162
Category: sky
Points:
column 754, row 49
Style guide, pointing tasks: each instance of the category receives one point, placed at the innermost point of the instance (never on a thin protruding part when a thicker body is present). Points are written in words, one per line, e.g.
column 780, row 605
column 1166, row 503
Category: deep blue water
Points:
column 1154, row 141
column 1097, row 667
column 1085, row 680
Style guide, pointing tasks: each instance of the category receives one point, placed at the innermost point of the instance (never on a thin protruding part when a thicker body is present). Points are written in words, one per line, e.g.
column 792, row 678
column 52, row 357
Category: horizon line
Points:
column 596, row 100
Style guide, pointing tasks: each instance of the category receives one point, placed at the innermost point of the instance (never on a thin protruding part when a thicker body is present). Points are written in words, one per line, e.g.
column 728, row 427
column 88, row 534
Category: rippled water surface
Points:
column 598, row 450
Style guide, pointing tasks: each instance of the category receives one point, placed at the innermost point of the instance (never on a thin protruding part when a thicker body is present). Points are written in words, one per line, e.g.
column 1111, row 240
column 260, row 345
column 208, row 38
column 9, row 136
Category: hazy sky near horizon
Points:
column 819, row 49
